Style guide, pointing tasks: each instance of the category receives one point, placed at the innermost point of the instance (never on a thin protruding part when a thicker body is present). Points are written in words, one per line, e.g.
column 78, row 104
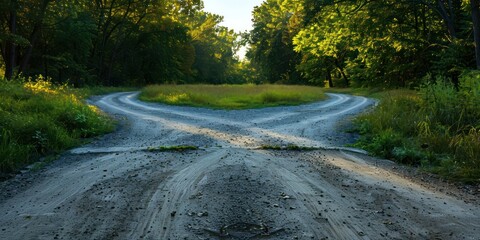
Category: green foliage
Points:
column 13, row 155
column 436, row 127
column 38, row 118
column 231, row 96
column 361, row 43
column 118, row 42
column 384, row 143
column 271, row 47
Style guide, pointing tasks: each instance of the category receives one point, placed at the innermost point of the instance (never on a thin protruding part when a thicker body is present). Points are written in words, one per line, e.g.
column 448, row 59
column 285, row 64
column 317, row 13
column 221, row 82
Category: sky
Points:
column 237, row 13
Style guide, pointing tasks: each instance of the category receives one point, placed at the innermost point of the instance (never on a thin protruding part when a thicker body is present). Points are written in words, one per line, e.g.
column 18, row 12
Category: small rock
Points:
column 173, row 213
column 202, row 214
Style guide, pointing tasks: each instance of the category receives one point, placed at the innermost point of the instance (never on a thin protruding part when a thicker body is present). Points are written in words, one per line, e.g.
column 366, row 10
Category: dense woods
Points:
column 115, row 42
column 364, row 43
column 340, row 42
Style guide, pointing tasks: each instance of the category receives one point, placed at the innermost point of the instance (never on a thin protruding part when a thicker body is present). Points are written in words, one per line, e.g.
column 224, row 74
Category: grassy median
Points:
column 232, row 96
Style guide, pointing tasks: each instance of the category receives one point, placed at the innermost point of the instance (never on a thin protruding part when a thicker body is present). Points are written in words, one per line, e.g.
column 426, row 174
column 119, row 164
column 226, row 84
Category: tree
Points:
column 271, row 46
column 392, row 43
column 475, row 5
column 25, row 36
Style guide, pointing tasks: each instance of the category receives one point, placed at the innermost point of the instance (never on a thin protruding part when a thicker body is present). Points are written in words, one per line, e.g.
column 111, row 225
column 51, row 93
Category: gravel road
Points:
column 115, row 188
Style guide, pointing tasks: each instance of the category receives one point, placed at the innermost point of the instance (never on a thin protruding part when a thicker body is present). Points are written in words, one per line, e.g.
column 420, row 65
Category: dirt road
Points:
column 114, row 188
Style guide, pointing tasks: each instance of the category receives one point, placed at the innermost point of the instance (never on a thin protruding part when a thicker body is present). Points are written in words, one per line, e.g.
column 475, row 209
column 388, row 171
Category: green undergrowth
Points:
column 232, row 96
column 38, row 118
column 436, row 127
column 180, row 148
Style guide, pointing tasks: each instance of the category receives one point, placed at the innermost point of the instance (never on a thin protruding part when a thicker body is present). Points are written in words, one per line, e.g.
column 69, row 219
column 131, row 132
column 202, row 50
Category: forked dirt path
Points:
column 114, row 188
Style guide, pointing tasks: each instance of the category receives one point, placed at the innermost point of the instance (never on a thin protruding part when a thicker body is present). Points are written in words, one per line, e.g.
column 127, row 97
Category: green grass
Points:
column 99, row 90
column 377, row 93
column 40, row 119
column 180, row 148
column 436, row 127
column 232, row 96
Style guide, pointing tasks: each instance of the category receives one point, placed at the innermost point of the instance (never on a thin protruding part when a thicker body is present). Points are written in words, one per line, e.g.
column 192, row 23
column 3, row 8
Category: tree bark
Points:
column 342, row 72
column 34, row 37
column 329, row 78
column 476, row 28
column 10, row 49
column 448, row 17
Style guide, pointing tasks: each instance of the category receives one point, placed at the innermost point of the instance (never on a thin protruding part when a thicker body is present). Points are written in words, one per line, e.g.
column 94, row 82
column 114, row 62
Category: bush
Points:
column 384, row 143
column 437, row 127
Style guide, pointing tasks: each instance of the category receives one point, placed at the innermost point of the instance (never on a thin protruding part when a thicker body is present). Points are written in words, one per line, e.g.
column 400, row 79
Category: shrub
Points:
column 438, row 127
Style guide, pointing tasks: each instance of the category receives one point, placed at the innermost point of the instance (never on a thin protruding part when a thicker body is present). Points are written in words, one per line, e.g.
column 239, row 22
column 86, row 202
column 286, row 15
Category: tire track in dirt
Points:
column 170, row 197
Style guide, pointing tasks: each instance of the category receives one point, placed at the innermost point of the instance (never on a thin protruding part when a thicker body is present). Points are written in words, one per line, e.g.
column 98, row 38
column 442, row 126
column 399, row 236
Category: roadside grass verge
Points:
column 436, row 128
column 38, row 118
column 88, row 91
column 232, row 96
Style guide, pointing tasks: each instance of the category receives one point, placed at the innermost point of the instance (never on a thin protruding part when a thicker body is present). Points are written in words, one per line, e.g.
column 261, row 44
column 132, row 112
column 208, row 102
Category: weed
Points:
column 180, row 148
column 271, row 147
column 288, row 148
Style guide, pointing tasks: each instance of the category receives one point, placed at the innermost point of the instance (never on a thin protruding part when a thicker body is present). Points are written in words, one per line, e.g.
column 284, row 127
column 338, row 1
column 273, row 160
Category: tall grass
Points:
column 436, row 127
column 231, row 96
column 38, row 118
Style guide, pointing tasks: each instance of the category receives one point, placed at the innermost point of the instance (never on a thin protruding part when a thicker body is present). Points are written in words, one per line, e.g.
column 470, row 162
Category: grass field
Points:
column 232, row 96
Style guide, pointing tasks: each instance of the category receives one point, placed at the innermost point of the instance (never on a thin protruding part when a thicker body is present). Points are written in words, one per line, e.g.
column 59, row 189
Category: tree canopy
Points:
column 364, row 43
column 391, row 43
column 115, row 42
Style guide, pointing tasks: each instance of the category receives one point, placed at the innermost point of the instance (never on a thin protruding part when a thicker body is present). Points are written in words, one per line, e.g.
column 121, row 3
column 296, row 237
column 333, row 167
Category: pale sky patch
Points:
column 237, row 13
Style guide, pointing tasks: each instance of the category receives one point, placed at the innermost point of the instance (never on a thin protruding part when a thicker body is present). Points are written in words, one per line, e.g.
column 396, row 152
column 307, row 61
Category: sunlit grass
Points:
column 100, row 90
column 38, row 118
column 232, row 96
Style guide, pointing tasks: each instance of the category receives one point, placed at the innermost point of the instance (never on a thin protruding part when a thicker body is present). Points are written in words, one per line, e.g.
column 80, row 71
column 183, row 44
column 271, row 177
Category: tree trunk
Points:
column 342, row 72
column 329, row 78
column 448, row 17
column 476, row 28
column 10, row 49
column 33, row 37
column 28, row 54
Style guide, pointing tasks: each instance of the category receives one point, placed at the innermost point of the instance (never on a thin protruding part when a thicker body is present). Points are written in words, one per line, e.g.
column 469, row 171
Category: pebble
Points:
column 202, row 214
